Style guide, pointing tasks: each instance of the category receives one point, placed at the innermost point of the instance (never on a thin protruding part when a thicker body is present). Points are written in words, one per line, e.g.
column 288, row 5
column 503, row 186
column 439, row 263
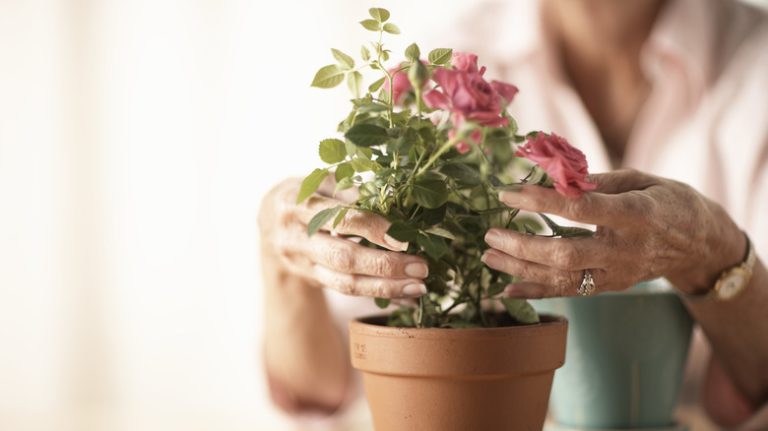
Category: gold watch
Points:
column 731, row 281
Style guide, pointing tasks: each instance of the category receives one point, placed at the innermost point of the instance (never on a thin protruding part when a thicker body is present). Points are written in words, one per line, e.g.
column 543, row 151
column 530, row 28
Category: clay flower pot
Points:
column 458, row 379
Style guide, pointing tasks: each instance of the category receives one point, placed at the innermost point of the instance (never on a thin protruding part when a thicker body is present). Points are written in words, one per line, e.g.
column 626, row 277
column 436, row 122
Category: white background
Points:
column 136, row 141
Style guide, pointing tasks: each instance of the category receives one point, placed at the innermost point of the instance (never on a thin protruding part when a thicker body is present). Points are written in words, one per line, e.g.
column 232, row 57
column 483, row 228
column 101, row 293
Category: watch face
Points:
column 732, row 284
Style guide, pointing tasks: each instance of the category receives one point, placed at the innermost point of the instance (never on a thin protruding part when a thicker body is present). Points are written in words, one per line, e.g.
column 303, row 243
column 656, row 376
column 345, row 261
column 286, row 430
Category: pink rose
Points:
column 401, row 85
column 565, row 164
column 468, row 96
column 466, row 62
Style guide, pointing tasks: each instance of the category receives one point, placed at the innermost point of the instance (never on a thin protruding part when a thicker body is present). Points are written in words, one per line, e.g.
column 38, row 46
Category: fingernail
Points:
column 395, row 244
column 414, row 290
column 492, row 238
column 490, row 259
column 416, row 270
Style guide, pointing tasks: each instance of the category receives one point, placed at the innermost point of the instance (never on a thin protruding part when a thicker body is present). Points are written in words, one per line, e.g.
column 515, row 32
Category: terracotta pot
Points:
column 458, row 379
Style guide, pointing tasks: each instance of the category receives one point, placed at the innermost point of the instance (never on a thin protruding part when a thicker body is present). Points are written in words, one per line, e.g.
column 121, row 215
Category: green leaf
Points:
column 572, row 232
column 344, row 170
column 365, row 53
column 376, row 84
column 382, row 302
column 461, row 173
column 430, row 191
column 332, row 151
column 494, row 289
column 379, row 14
column 361, row 164
column 328, row 77
column 354, row 82
column 370, row 24
column 367, row 135
column 345, row 183
column 340, row 216
column 434, row 246
column 321, row 219
column 391, row 28
column 344, row 60
column 520, row 310
column 310, row 184
column 402, row 231
column 440, row 56
column 565, row 231
column 441, row 232
column 412, row 52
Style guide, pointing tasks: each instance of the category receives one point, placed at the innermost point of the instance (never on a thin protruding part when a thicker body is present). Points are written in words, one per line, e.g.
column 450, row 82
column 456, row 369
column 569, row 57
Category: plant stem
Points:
column 440, row 151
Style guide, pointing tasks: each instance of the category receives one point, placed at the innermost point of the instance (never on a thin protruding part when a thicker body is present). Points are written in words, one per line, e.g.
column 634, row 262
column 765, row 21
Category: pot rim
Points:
column 364, row 324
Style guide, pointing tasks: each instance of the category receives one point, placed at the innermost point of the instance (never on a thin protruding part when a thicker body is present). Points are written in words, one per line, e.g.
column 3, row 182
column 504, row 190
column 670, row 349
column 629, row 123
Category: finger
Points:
column 372, row 227
column 561, row 253
column 592, row 208
column 342, row 255
column 561, row 283
column 622, row 180
column 363, row 285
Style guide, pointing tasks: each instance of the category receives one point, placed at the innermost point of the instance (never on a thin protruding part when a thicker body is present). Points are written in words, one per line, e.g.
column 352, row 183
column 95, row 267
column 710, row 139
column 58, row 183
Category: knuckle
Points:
column 385, row 264
column 341, row 257
column 565, row 256
column 346, row 285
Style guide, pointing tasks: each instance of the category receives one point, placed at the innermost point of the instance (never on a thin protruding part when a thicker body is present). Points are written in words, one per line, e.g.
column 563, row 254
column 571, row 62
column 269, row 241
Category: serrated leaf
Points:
column 344, row 60
column 371, row 24
column 328, row 77
column 440, row 56
column 311, row 184
column 382, row 302
column 434, row 246
column 429, row 191
column 412, row 52
column 365, row 53
column 363, row 165
column 321, row 219
column 434, row 230
column 402, row 231
column 367, row 135
column 340, row 216
column 520, row 310
column 376, row 84
column 332, row 151
column 391, row 28
column 379, row 14
column 344, row 170
column 354, row 82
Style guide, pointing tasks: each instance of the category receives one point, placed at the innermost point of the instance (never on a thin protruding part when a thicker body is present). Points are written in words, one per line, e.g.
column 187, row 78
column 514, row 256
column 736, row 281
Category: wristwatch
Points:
column 731, row 281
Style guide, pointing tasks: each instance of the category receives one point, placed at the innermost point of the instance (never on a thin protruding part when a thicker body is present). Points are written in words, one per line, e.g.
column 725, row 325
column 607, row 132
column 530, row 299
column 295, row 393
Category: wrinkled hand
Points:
column 647, row 227
column 330, row 260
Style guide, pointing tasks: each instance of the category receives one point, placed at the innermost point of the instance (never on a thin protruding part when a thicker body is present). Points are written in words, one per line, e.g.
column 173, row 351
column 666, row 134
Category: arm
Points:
column 649, row 227
column 305, row 354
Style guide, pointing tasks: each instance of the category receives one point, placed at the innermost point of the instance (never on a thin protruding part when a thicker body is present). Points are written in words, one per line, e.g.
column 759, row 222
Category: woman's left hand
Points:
column 647, row 227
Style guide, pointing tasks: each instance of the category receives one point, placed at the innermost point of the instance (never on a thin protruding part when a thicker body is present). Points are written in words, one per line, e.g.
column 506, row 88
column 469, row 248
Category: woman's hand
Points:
column 325, row 259
column 647, row 227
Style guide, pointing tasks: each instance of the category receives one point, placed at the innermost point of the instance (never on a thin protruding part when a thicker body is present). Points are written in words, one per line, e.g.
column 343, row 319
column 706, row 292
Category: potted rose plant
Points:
column 429, row 145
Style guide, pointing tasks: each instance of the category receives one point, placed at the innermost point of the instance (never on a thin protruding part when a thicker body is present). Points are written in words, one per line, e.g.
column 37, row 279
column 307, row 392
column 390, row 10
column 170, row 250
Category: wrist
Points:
column 725, row 247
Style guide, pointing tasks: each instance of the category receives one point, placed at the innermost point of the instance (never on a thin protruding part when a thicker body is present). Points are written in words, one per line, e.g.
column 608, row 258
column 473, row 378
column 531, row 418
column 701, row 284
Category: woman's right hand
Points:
column 328, row 260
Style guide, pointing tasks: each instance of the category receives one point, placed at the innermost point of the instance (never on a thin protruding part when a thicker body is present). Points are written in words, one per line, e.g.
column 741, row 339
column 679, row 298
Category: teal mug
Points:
column 625, row 358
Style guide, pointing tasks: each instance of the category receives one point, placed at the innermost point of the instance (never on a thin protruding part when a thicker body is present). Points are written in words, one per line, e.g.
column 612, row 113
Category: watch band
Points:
column 731, row 281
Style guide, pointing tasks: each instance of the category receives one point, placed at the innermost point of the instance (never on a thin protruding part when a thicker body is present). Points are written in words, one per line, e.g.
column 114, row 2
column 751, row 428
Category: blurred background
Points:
column 136, row 141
